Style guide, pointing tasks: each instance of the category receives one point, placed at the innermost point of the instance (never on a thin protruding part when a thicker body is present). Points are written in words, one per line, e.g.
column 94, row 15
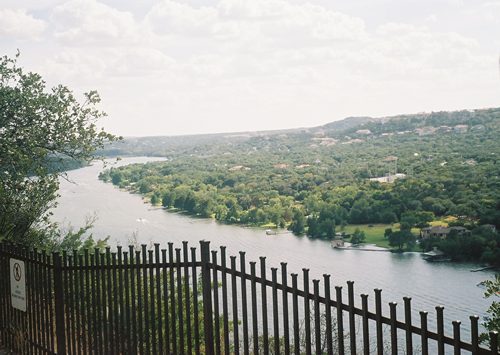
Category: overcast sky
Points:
column 198, row 66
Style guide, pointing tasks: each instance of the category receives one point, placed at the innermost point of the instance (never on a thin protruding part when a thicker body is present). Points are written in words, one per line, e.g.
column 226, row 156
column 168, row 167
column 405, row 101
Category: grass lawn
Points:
column 374, row 234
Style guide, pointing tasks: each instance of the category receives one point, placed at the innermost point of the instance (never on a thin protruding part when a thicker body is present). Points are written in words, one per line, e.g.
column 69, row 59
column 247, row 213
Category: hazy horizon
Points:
column 173, row 67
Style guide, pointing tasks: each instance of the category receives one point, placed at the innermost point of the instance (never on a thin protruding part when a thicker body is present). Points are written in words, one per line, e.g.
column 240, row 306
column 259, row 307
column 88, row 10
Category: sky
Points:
column 170, row 67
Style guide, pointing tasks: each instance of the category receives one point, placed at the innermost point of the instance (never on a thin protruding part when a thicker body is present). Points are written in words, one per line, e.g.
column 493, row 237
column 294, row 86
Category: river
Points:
column 122, row 216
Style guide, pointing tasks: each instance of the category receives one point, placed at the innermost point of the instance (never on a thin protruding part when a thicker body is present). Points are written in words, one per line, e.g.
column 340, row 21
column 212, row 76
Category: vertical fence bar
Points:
column 307, row 311
column 244, row 306
column 36, row 301
column 456, row 337
column 328, row 315
column 153, row 297
column 286, row 321
column 295, row 311
column 46, row 300
column 67, row 302
column 366, row 336
column 102, row 309
column 474, row 333
column 50, row 310
column 216, row 303
column 234, row 301
column 68, row 293
column 424, row 337
column 189, row 337
column 5, row 266
column 127, row 326
column 89, row 305
column 3, row 300
column 225, row 311
column 133, row 301
column 276, row 329
column 140, row 328
column 38, row 285
column 117, row 295
column 109, row 307
column 378, row 316
column 340, row 320
column 409, row 336
column 352, row 316
column 494, row 342
column 207, row 298
column 159, row 298
column 394, row 329
column 3, row 297
column 120, row 303
column 165, row 300
column 146, row 303
column 78, row 302
column 255, row 326
column 317, row 318
column 263, row 290
column 173, row 318
column 59, row 304
column 440, row 329
column 44, row 304
column 95, row 302
column 180, row 308
column 195, row 303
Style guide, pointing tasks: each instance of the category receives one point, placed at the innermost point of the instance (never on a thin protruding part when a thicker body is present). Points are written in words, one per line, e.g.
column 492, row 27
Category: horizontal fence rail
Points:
column 181, row 301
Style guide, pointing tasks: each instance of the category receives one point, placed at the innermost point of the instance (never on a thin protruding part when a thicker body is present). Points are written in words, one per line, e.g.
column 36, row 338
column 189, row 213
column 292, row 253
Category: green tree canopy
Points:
column 40, row 128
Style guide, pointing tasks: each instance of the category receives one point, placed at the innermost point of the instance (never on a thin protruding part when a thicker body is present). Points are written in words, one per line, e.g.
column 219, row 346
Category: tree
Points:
column 400, row 238
column 298, row 224
column 40, row 129
column 492, row 321
column 358, row 236
column 419, row 219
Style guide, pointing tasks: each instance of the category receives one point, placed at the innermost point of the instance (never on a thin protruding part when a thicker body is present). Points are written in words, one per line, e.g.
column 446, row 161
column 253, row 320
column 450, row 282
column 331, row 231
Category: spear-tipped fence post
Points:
column 59, row 304
column 207, row 298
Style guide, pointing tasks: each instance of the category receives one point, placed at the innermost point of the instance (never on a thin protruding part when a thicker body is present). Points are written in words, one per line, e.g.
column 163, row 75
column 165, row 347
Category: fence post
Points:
column 59, row 304
column 207, row 298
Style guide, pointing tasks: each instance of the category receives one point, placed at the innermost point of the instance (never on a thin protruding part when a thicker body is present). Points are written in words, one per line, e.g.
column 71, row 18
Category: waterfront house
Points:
column 441, row 232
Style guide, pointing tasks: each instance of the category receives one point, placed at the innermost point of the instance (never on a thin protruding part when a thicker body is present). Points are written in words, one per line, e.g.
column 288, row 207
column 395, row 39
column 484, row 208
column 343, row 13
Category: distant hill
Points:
column 354, row 127
column 347, row 123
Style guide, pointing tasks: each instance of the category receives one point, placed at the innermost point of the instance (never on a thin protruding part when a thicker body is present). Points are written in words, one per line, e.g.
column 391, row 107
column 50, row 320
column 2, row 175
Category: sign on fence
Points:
column 18, row 284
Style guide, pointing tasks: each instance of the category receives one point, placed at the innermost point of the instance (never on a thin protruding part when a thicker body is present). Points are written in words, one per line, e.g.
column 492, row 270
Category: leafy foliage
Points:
column 315, row 181
column 358, row 236
column 40, row 129
column 492, row 321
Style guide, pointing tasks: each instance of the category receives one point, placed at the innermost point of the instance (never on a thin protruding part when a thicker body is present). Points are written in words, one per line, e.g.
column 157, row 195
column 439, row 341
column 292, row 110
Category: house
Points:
column 389, row 179
column 441, row 232
column 364, row 132
column 461, row 128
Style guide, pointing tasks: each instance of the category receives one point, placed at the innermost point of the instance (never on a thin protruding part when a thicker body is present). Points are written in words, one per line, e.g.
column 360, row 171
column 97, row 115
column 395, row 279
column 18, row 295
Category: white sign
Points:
column 18, row 284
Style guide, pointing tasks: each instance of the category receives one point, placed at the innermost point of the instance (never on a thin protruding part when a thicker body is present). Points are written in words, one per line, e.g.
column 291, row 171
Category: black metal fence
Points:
column 176, row 301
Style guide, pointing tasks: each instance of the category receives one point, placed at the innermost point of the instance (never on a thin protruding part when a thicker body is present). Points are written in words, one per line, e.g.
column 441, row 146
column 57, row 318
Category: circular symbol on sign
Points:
column 17, row 272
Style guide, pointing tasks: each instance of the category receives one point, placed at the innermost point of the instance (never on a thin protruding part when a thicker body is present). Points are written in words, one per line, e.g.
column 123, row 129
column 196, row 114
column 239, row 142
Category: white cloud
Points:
column 170, row 17
column 260, row 63
column 19, row 24
column 81, row 22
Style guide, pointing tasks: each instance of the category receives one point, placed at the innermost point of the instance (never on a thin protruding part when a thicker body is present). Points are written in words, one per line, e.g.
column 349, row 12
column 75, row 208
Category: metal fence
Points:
column 179, row 301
